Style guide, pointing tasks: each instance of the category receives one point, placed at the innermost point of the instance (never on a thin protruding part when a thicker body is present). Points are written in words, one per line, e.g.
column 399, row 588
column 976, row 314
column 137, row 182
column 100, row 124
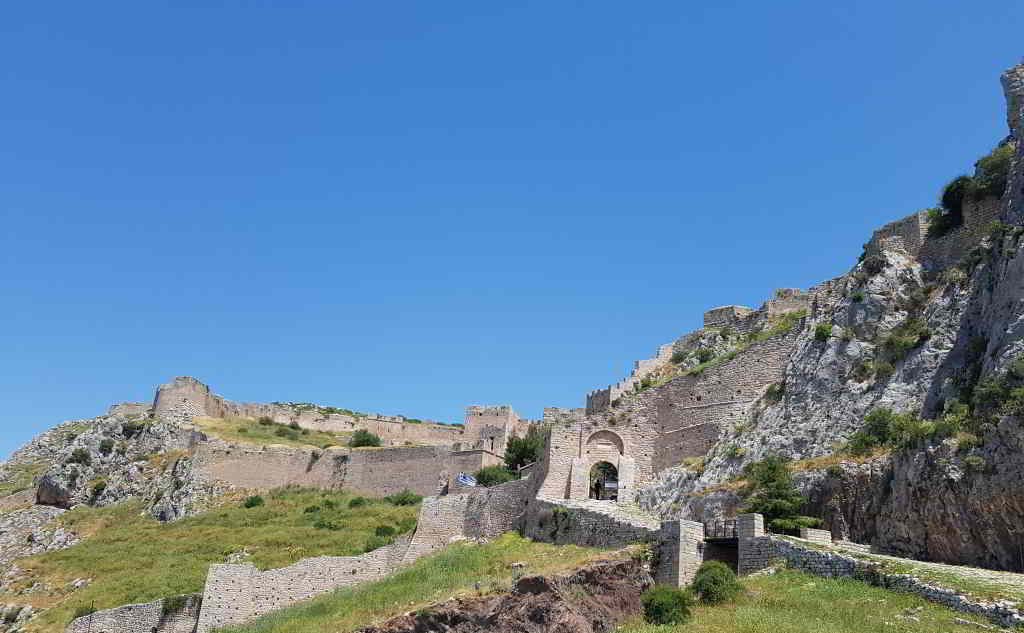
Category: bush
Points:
column 941, row 222
column 975, row 463
column 265, row 421
column 520, row 451
column 715, row 583
column 857, row 297
column 357, row 502
column 374, row 542
column 666, row 605
column 287, row 433
column 82, row 611
column 311, row 509
column 822, row 332
column 384, row 531
column 493, row 475
column 993, row 172
column 294, row 425
column 678, row 358
column 131, row 429
column 98, row 487
column 79, row 456
column 404, row 498
column 362, row 437
column 704, row 355
column 775, row 392
column 107, row 446
column 874, row 264
column 909, row 334
column 254, row 501
column 324, row 524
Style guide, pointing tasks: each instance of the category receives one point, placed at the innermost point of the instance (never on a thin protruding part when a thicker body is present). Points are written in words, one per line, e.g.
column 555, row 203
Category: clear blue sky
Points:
column 411, row 207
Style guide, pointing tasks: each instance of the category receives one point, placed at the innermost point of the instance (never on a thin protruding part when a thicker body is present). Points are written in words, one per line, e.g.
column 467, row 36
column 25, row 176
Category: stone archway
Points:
column 604, row 445
column 604, row 481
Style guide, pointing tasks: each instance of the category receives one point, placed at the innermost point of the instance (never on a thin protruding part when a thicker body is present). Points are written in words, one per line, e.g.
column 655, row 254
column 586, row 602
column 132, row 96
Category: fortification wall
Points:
column 426, row 470
column 236, row 594
column 184, row 398
column 150, row 617
column 943, row 252
column 572, row 523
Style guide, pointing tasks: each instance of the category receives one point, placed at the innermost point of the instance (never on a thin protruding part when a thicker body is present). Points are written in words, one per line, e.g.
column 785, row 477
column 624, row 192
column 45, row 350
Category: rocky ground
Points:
column 594, row 599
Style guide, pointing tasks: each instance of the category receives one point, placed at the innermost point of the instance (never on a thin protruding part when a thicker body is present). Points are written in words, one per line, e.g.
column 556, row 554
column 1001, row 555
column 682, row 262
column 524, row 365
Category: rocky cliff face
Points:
column 961, row 324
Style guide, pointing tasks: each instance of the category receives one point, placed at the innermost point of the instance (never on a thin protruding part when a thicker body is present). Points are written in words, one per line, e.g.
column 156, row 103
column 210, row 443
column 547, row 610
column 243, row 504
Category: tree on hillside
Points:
column 362, row 437
column 493, row 475
column 770, row 491
column 521, row 451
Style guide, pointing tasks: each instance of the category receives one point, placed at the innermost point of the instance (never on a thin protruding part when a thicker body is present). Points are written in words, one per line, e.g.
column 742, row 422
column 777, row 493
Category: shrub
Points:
column 520, row 451
column 172, row 605
column 311, row 509
column 294, row 425
column 324, row 524
column 374, row 542
column 254, row 501
column 941, row 222
column 98, row 487
column 82, row 611
column 404, row 498
column 993, row 172
column 329, row 504
column 79, row 456
column 107, row 446
column 265, row 421
column 775, row 392
column 384, row 531
column 704, row 355
column 678, row 358
column 357, row 502
column 911, row 333
column 735, row 452
column 874, row 264
column 883, row 369
column 131, row 429
column 975, row 463
column 715, row 583
column 857, row 297
column 666, row 605
column 287, row 433
column 362, row 437
column 493, row 475
column 771, row 492
column 822, row 332
column 954, row 194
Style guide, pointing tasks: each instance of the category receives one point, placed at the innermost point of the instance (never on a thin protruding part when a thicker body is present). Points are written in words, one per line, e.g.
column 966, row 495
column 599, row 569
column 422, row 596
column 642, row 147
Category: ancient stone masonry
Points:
column 162, row 616
column 759, row 550
column 235, row 594
column 591, row 523
column 1013, row 88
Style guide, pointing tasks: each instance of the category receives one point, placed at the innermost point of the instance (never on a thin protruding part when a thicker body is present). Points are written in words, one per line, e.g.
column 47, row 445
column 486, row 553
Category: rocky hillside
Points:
column 932, row 332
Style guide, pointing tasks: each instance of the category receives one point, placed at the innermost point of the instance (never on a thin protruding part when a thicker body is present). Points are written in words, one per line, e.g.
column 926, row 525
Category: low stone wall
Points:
column 235, row 594
column 151, row 617
column 758, row 550
column 816, row 536
column 571, row 522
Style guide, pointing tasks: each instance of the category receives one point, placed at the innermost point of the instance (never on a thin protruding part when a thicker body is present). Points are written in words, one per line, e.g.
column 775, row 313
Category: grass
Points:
column 974, row 586
column 19, row 477
column 451, row 572
column 251, row 431
column 793, row 602
column 134, row 558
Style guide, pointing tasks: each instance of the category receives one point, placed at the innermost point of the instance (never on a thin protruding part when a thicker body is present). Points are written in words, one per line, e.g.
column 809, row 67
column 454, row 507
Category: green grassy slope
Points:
column 435, row 578
column 132, row 558
column 793, row 602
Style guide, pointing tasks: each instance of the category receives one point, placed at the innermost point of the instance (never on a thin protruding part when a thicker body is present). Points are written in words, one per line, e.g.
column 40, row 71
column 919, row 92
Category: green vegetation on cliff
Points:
column 453, row 571
column 793, row 602
column 131, row 557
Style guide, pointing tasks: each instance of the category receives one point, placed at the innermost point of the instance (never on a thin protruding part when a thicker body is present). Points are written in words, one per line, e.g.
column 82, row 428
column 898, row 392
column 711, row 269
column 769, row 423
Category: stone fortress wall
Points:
column 910, row 234
column 151, row 617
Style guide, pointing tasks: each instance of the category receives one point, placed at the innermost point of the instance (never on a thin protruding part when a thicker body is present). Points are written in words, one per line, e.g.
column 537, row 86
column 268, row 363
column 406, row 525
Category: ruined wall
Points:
column 943, row 252
column 426, row 470
column 582, row 523
column 235, row 594
column 727, row 316
column 150, row 617
column 184, row 398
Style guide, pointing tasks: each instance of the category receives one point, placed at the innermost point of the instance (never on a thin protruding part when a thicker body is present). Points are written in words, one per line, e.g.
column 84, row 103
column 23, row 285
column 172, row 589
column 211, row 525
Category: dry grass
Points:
column 251, row 431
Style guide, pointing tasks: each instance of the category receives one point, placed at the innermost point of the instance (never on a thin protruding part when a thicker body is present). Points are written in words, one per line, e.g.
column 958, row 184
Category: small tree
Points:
column 520, row 451
column 493, row 475
column 362, row 437
column 771, row 492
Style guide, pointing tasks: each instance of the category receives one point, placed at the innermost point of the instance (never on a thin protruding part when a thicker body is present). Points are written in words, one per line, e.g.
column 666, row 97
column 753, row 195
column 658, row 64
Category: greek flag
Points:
column 466, row 480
